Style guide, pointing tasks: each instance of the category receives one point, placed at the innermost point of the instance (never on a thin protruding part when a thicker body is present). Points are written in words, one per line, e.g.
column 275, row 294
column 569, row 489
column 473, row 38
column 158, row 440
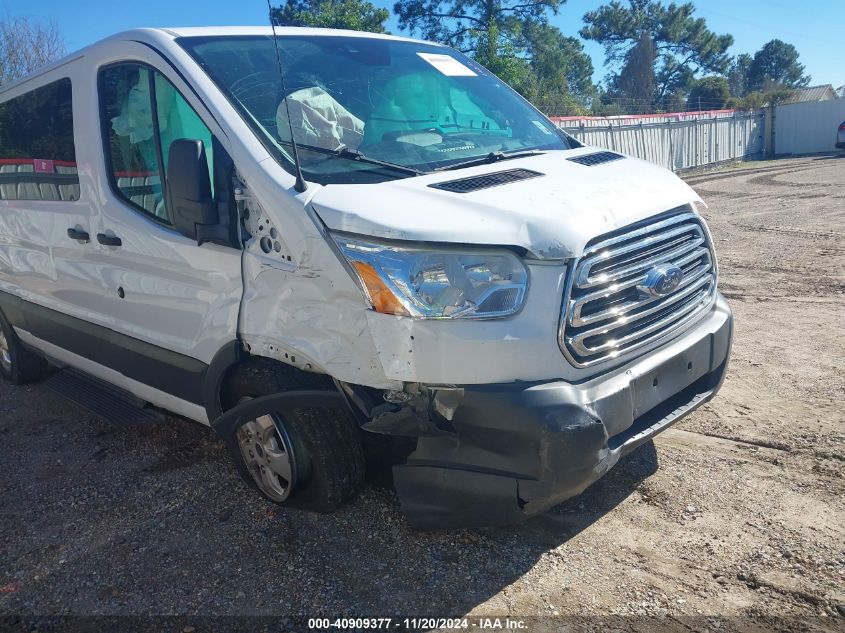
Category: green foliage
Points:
column 559, row 63
column 776, row 63
column 461, row 23
column 766, row 78
column 756, row 99
column 738, row 74
column 709, row 93
column 675, row 102
column 636, row 83
column 751, row 101
column 513, row 39
column 355, row 15
column 683, row 43
column 608, row 108
column 503, row 58
column 559, row 79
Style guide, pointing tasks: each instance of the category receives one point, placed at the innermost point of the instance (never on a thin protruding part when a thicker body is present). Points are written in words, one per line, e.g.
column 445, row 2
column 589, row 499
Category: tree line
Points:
column 26, row 45
column 659, row 57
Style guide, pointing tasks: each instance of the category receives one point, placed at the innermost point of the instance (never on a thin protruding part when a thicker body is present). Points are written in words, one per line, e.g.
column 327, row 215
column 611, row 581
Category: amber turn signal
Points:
column 383, row 299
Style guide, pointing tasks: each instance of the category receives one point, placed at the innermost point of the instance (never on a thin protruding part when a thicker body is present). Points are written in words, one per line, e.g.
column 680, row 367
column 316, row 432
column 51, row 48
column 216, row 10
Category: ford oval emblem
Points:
column 661, row 280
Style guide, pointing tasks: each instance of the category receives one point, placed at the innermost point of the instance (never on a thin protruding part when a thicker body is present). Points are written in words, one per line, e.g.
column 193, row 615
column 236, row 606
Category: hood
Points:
column 551, row 216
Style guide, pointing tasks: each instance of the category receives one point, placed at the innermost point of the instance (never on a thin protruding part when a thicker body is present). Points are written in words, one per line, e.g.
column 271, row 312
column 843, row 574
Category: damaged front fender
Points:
column 226, row 424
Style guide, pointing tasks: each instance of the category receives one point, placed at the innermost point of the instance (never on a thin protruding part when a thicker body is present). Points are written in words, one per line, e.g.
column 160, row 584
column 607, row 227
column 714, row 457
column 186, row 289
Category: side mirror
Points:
column 189, row 196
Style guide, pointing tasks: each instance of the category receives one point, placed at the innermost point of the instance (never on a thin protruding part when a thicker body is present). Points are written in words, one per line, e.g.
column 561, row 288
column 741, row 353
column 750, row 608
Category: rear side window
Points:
column 143, row 114
column 37, row 154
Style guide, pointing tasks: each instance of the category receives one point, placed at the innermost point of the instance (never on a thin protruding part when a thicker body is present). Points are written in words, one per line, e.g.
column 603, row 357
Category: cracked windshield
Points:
column 368, row 109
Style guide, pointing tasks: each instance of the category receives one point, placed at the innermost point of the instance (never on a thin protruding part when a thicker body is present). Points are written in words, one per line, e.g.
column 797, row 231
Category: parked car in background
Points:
column 840, row 136
column 431, row 261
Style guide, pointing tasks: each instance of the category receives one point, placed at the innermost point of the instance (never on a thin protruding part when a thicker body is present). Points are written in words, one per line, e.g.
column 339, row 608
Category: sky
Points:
column 813, row 26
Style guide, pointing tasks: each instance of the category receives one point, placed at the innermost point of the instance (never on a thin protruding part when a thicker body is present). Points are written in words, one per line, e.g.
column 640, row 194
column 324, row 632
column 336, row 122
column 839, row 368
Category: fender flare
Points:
column 226, row 357
column 226, row 424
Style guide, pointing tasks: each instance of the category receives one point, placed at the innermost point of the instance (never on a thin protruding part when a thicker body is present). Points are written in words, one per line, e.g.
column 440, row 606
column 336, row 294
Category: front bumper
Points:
column 517, row 449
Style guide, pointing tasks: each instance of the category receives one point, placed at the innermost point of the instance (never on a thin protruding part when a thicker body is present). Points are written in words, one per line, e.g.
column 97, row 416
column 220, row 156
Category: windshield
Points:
column 414, row 105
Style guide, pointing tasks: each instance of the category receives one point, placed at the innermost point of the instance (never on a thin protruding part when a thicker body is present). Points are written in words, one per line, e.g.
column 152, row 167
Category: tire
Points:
column 322, row 445
column 17, row 364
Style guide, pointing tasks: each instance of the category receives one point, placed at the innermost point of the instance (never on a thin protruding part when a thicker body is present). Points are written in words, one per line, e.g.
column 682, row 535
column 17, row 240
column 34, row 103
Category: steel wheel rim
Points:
column 5, row 354
column 268, row 454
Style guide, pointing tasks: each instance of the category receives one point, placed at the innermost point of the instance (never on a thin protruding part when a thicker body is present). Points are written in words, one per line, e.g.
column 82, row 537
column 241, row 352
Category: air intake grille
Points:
column 485, row 181
column 609, row 311
column 596, row 159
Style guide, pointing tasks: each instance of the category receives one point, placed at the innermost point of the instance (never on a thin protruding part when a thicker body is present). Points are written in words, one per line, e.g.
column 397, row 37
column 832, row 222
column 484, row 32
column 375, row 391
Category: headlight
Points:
column 437, row 283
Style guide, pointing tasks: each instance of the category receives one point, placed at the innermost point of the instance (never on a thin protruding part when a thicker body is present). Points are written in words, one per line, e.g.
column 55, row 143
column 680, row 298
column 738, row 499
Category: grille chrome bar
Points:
column 653, row 256
column 606, row 314
column 700, row 278
column 578, row 304
column 643, row 231
column 688, row 311
column 578, row 341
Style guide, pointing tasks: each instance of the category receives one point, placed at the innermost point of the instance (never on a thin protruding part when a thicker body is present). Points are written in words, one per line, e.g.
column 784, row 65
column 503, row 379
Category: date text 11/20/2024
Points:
column 417, row 624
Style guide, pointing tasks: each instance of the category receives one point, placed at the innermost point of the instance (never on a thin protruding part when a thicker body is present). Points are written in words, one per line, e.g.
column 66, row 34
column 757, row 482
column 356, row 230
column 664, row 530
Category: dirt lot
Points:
column 737, row 511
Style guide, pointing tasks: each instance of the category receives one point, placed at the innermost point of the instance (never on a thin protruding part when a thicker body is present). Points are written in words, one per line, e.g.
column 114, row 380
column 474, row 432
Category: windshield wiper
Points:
column 492, row 157
column 353, row 154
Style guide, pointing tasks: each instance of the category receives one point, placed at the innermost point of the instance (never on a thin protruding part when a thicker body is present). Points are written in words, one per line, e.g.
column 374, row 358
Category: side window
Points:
column 132, row 152
column 37, row 154
column 178, row 120
column 143, row 114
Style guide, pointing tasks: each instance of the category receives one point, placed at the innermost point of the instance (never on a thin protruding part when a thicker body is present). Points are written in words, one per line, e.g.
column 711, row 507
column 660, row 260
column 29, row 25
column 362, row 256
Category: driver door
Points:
column 171, row 304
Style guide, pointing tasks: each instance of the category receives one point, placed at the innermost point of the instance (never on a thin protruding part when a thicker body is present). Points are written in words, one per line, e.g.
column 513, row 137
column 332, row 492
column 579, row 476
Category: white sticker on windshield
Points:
column 447, row 65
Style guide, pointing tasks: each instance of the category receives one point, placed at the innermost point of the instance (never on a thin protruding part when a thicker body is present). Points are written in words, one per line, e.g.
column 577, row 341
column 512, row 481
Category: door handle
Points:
column 78, row 234
column 109, row 240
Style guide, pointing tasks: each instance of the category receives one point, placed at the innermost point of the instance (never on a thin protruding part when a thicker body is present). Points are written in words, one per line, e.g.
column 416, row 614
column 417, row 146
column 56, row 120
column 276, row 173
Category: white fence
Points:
column 676, row 141
column 807, row 128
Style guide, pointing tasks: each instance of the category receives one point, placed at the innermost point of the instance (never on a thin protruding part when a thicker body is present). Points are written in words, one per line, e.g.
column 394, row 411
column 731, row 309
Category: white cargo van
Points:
column 431, row 261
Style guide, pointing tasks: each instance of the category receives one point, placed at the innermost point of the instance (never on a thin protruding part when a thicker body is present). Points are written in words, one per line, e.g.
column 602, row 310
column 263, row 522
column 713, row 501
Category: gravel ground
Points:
column 737, row 512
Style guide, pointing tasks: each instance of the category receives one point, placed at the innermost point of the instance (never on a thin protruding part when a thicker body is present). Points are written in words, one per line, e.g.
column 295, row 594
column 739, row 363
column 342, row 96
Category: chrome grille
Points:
column 608, row 313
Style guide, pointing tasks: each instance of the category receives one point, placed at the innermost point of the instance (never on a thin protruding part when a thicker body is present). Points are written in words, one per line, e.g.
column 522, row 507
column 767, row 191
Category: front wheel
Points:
column 18, row 365
column 305, row 458
column 266, row 453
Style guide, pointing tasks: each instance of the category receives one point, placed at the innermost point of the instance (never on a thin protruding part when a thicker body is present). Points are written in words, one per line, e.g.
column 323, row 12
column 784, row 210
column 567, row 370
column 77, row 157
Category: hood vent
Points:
column 485, row 181
column 598, row 158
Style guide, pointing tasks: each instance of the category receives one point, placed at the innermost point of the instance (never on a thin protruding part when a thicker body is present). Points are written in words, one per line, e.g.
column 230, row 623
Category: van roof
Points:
column 192, row 31
column 156, row 35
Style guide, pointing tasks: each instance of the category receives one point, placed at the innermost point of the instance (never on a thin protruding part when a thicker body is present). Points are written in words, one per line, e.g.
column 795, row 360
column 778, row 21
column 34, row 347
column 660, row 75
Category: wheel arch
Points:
column 232, row 356
column 227, row 357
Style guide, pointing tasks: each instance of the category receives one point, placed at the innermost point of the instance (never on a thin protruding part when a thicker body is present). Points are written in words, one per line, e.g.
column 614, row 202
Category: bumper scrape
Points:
column 519, row 449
